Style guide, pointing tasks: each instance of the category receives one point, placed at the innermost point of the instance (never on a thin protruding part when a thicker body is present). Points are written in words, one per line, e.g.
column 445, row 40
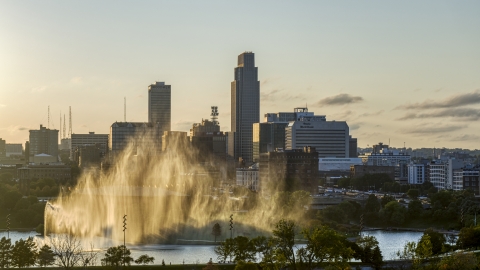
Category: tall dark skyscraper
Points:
column 160, row 106
column 245, row 107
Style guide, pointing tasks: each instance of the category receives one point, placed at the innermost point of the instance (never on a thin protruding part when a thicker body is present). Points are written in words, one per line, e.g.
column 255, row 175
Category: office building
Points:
column 80, row 140
column 160, row 106
column 267, row 137
column 245, row 107
column 248, row 177
column 43, row 141
column 210, row 142
column 357, row 171
column 289, row 170
column 60, row 173
column 416, row 173
column 174, row 140
column 352, row 145
column 136, row 133
column 13, row 150
column 330, row 138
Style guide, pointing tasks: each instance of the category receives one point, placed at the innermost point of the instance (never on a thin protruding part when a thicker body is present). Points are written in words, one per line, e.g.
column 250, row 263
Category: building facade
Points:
column 136, row 133
column 207, row 138
column 81, row 140
column 330, row 138
column 416, row 173
column 245, row 107
column 43, row 141
column 289, row 170
column 267, row 137
column 13, row 149
column 357, row 171
column 248, row 177
column 160, row 106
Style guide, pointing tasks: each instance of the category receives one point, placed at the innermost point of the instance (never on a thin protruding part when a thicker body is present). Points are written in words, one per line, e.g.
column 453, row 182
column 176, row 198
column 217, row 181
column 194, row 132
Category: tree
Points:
column 324, row 245
column 67, row 250
column 386, row 199
column 415, row 208
column 244, row 250
column 144, row 259
column 225, row 250
column 370, row 252
column 393, row 213
column 437, row 240
column 284, row 235
column 372, row 204
column 24, row 253
column 469, row 237
column 5, row 252
column 117, row 256
column 216, row 231
column 45, row 256
column 413, row 193
column 265, row 247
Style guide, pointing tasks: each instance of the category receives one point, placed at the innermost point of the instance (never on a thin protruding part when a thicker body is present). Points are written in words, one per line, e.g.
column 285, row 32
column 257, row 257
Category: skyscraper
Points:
column 245, row 107
column 160, row 106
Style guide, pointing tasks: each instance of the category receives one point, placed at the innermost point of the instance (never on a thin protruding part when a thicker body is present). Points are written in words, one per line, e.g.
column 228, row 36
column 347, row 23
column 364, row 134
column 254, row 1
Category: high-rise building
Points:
column 245, row 107
column 43, row 141
column 160, row 106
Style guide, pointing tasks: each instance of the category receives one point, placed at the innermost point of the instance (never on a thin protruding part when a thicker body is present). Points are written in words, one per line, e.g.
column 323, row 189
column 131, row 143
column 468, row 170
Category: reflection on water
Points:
column 389, row 242
column 392, row 241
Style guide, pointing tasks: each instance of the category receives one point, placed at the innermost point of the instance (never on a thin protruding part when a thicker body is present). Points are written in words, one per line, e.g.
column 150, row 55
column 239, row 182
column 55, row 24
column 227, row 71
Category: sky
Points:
column 407, row 72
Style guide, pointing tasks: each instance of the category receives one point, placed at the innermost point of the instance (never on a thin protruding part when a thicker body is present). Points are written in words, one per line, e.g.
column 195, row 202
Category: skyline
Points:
column 404, row 72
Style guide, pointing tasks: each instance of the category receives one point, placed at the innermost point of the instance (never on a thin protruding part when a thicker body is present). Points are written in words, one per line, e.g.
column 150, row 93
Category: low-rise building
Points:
column 248, row 177
column 357, row 171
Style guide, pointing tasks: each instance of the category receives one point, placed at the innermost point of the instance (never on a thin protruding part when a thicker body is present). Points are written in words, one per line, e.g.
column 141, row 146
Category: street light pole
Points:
column 8, row 226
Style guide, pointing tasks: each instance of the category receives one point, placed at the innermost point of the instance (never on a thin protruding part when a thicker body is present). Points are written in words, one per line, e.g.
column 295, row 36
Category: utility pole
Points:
column 124, row 229
column 231, row 226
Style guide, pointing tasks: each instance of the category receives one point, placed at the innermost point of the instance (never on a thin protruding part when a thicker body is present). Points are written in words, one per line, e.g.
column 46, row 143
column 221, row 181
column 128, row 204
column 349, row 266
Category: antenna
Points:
column 214, row 115
column 60, row 129
column 125, row 109
column 48, row 125
column 70, row 122
column 64, row 128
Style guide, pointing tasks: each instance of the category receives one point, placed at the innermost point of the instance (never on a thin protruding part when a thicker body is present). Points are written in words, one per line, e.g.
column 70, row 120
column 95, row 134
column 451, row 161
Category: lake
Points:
column 389, row 243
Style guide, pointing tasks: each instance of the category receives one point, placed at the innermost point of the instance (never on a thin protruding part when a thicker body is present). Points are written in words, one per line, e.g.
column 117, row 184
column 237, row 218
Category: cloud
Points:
column 450, row 102
column 372, row 114
column 270, row 96
column 466, row 137
column 467, row 114
column 38, row 89
column 425, row 128
column 340, row 99
column 355, row 126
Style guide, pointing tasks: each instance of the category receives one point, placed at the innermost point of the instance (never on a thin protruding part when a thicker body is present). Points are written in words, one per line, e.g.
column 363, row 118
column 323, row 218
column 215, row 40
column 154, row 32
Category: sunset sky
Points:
column 404, row 71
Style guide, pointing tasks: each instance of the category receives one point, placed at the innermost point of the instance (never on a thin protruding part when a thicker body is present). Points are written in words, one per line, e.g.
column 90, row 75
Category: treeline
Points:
column 446, row 208
column 324, row 248
column 64, row 251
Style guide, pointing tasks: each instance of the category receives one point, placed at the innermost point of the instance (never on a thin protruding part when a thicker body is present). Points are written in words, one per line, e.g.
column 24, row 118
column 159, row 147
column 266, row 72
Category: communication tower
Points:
column 70, row 122
column 64, row 128
column 60, row 129
column 214, row 115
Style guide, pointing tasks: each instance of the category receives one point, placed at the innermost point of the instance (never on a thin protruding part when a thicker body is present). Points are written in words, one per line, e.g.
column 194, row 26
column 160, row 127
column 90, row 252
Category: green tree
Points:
column 370, row 252
column 216, row 231
column 24, row 253
column 11, row 198
column 117, row 256
column 413, row 193
column 372, row 205
column 45, row 256
column 244, row 249
column 265, row 247
column 469, row 237
column 225, row 250
column 437, row 240
column 5, row 252
column 386, row 199
column 415, row 209
column 324, row 245
column 144, row 259
column 393, row 213
column 284, row 235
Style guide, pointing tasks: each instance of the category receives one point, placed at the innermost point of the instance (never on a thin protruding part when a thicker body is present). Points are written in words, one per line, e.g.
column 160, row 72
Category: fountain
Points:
column 166, row 197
